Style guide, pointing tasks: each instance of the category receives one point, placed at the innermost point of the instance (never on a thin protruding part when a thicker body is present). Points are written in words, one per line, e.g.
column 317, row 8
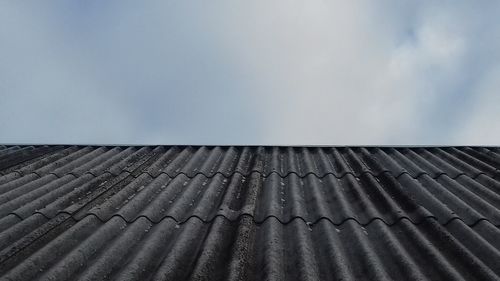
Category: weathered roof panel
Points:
column 249, row 213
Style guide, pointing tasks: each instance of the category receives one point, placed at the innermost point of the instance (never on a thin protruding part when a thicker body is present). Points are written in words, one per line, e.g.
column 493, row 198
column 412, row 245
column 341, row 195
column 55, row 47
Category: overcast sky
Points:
column 250, row 72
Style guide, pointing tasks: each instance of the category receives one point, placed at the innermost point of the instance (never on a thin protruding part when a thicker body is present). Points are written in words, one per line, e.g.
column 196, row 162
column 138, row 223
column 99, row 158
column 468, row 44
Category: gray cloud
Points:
column 274, row 72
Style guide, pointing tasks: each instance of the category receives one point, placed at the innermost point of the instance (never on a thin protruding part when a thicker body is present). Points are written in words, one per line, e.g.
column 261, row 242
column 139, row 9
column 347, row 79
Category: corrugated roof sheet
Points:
column 249, row 213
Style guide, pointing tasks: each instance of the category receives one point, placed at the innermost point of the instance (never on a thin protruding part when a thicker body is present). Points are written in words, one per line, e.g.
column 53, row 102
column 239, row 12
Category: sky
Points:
column 250, row 72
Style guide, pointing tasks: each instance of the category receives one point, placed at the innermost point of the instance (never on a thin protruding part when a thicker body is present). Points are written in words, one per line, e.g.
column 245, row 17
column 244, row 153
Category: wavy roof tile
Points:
column 249, row 213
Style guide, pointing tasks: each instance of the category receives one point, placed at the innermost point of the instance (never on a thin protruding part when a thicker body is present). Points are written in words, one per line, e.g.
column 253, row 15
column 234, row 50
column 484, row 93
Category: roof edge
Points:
column 254, row 145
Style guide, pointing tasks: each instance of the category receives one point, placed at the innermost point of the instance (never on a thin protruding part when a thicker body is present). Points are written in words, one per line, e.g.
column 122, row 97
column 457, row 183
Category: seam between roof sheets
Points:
column 259, row 222
column 309, row 224
column 264, row 174
column 171, row 217
column 338, row 176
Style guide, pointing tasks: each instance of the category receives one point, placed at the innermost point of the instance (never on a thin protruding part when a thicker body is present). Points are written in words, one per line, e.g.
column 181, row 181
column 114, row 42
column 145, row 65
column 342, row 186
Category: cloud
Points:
column 481, row 123
column 274, row 72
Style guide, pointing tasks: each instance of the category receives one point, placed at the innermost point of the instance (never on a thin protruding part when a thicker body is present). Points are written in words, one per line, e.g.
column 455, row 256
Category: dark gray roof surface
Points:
column 249, row 213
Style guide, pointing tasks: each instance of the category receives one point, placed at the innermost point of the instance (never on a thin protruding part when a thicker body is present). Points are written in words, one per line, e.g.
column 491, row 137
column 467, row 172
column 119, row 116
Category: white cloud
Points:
column 275, row 72
column 480, row 127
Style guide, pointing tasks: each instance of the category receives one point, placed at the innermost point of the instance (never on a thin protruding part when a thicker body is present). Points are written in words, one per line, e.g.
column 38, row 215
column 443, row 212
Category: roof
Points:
column 249, row 213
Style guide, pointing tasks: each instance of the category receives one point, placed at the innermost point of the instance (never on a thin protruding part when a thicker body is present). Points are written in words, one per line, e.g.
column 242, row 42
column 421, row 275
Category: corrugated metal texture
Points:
column 159, row 182
column 280, row 160
column 10, row 156
column 89, row 249
column 275, row 213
